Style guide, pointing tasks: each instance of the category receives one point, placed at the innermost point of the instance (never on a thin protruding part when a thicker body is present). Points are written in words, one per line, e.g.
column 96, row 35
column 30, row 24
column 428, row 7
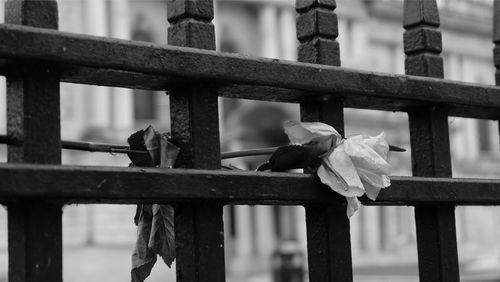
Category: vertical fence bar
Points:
column 195, row 129
column 328, row 230
column 33, row 119
column 436, row 235
column 496, row 40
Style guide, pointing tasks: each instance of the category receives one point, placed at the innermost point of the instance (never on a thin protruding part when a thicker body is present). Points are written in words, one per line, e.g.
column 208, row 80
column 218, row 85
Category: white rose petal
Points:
column 364, row 156
column 305, row 132
column 373, row 191
column 378, row 143
column 353, row 205
column 339, row 173
column 373, row 178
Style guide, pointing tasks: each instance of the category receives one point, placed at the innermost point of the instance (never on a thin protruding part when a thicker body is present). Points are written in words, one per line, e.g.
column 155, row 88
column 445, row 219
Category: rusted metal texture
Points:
column 328, row 231
column 195, row 129
column 430, row 145
column 177, row 65
column 34, row 226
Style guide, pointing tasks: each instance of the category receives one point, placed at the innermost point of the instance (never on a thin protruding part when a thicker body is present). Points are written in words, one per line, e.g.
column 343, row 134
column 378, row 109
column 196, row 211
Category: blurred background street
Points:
column 99, row 239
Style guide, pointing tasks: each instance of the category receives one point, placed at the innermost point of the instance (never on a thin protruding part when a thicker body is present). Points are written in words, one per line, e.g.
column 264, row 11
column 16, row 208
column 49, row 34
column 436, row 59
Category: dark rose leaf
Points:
column 288, row 157
column 162, row 233
column 136, row 142
column 143, row 257
column 155, row 223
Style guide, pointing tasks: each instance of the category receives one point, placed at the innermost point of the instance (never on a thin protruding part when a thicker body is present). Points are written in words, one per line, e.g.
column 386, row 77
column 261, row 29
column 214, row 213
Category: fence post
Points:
column 328, row 230
column 195, row 129
column 496, row 40
column 430, row 145
column 33, row 120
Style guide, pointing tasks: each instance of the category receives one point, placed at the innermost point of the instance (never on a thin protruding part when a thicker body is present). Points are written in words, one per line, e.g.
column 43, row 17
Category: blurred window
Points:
column 144, row 105
column 232, row 220
column 144, row 100
column 484, row 132
column 483, row 128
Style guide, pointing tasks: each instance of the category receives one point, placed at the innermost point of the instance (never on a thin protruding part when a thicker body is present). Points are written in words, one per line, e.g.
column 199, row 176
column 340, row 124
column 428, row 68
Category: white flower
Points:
column 351, row 167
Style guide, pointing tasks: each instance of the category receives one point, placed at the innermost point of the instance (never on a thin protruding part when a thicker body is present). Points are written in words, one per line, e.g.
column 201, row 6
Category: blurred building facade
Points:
column 370, row 37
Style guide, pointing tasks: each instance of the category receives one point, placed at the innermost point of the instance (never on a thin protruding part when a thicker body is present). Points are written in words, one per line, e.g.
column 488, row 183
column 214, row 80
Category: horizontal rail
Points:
column 107, row 61
column 79, row 184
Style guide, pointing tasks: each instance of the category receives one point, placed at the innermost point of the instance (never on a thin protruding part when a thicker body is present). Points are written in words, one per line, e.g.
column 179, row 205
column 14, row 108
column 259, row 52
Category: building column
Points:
column 462, row 231
column 266, row 239
column 287, row 34
column 3, row 106
column 300, row 219
column 358, row 38
column 122, row 99
column 98, row 98
column 458, row 139
column 2, row 9
column 356, row 233
column 494, row 136
column 403, row 222
column 268, row 24
column 95, row 99
column 3, row 99
column 286, row 223
column 388, row 228
column 243, row 243
column 371, row 229
column 469, row 135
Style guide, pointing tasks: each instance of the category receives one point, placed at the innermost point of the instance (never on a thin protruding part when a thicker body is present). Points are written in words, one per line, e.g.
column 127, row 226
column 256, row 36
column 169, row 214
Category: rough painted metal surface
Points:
column 496, row 40
column 131, row 60
column 328, row 231
column 79, row 184
column 36, row 13
column 429, row 134
column 195, row 129
column 130, row 64
column 34, row 226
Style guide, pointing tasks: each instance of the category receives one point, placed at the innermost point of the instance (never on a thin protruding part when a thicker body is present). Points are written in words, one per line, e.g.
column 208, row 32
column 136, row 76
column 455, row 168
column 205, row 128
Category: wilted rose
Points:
column 352, row 166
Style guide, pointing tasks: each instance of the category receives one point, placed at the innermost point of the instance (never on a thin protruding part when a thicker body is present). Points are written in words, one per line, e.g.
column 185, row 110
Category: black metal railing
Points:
column 35, row 58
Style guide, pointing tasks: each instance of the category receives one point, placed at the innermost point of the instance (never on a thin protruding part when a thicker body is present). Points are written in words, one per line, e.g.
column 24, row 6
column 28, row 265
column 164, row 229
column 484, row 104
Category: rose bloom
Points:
column 350, row 167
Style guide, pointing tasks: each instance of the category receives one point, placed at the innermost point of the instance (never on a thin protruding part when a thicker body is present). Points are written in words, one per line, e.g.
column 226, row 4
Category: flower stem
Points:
column 124, row 149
